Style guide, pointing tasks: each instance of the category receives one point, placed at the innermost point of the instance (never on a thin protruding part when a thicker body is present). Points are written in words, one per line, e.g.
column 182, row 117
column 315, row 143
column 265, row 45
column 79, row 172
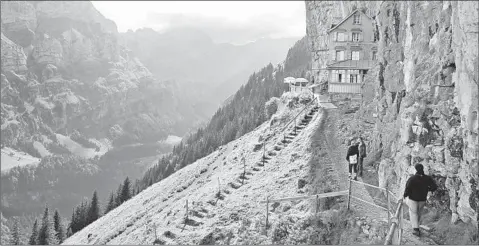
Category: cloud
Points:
column 224, row 30
column 224, row 21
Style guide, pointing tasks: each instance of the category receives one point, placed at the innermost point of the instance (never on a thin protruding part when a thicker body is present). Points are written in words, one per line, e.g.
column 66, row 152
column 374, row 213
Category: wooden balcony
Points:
column 346, row 88
column 351, row 64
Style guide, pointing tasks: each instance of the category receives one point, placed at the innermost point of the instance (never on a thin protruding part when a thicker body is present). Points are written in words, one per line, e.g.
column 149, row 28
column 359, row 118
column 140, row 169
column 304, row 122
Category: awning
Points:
column 301, row 80
column 289, row 80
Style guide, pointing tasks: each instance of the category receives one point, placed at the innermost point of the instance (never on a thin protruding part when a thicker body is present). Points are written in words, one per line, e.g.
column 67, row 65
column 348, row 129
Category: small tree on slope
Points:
column 94, row 209
column 111, row 203
column 126, row 190
column 15, row 240
column 34, row 235
column 46, row 235
column 118, row 200
column 57, row 222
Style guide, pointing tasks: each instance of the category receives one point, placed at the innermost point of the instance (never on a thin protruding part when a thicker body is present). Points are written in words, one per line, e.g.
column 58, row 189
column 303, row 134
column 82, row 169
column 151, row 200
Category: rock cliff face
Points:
column 64, row 74
column 422, row 95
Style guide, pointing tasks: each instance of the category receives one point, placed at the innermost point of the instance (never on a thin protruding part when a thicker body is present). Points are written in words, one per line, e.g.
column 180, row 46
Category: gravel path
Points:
column 336, row 152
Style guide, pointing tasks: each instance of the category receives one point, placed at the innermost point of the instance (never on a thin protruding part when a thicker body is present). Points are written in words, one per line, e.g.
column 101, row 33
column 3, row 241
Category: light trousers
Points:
column 415, row 211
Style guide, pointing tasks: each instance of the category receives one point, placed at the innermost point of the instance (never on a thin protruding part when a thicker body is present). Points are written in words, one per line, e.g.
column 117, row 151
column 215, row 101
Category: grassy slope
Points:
column 162, row 205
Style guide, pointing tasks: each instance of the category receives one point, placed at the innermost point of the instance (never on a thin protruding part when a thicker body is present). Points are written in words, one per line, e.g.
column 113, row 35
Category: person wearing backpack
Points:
column 417, row 187
column 352, row 157
column 362, row 155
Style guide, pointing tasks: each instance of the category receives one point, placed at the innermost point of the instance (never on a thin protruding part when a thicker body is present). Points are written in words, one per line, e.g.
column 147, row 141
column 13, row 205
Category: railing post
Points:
column 267, row 213
column 349, row 193
column 387, row 197
column 264, row 151
column 156, row 236
column 219, row 187
column 244, row 171
column 400, row 222
column 294, row 126
column 186, row 219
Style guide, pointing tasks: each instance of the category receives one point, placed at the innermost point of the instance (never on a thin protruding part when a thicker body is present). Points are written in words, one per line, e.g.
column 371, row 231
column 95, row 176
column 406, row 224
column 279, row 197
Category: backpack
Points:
column 353, row 159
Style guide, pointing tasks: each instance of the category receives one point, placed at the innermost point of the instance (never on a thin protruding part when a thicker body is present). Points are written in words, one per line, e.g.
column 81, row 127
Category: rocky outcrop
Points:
column 18, row 22
column 83, row 11
column 64, row 72
column 424, row 94
column 13, row 57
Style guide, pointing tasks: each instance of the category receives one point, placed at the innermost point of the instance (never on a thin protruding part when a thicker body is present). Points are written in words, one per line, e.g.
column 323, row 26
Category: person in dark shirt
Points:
column 416, row 190
column 352, row 157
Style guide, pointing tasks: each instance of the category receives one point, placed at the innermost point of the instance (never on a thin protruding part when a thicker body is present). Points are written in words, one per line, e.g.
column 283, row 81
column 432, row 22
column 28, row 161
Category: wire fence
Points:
column 375, row 199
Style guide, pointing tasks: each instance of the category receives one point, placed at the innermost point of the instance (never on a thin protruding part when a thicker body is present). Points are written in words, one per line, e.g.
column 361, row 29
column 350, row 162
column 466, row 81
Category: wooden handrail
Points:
column 322, row 195
column 370, row 185
column 300, row 112
column 394, row 224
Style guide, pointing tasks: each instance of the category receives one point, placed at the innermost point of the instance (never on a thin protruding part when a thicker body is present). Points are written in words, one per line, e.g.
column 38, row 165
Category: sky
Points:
column 224, row 21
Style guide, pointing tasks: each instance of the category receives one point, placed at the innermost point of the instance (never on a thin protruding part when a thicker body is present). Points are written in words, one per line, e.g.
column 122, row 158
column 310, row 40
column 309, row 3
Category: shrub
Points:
column 305, row 97
column 271, row 107
column 280, row 231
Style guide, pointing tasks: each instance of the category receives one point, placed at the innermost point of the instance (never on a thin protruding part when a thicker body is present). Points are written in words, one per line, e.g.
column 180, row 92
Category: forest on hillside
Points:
column 244, row 112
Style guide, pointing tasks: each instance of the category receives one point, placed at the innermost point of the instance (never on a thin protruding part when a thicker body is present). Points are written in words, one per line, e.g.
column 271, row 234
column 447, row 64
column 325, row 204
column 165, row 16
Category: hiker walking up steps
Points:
column 352, row 157
column 416, row 190
column 362, row 155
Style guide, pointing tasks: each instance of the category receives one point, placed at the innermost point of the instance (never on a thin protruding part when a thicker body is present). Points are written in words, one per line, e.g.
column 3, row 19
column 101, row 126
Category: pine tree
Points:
column 118, row 200
column 46, row 235
column 83, row 215
column 15, row 240
column 34, row 235
column 93, row 210
column 111, row 203
column 57, row 221
column 126, row 190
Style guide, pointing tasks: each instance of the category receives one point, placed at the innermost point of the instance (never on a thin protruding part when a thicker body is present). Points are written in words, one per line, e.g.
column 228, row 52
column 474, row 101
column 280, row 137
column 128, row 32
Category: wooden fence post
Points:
column 349, row 192
column 186, row 211
column 264, row 151
column 294, row 126
column 244, row 171
column 388, row 201
column 154, row 227
column 400, row 222
column 267, row 214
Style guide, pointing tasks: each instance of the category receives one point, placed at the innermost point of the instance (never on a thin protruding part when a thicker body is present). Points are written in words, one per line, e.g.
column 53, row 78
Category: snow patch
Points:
column 171, row 140
column 41, row 148
column 77, row 149
column 13, row 158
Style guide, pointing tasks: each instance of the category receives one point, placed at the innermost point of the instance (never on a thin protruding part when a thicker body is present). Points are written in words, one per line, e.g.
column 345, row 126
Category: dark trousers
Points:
column 360, row 165
column 353, row 169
